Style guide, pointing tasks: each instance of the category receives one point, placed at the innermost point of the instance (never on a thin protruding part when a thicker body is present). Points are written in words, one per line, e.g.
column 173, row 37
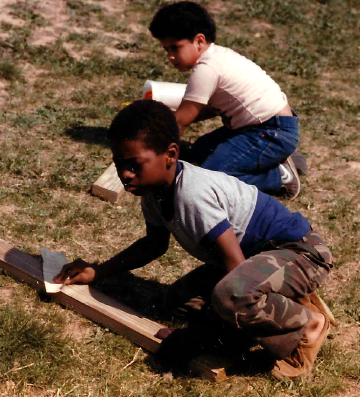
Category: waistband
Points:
column 311, row 245
column 281, row 121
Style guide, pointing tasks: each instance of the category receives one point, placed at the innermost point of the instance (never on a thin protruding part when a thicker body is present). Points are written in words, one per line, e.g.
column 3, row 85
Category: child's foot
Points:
column 300, row 163
column 290, row 179
column 301, row 360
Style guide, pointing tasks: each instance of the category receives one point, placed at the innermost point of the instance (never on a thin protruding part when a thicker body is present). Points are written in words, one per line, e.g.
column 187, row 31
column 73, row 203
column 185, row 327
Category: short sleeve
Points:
column 205, row 215
column 202, row 84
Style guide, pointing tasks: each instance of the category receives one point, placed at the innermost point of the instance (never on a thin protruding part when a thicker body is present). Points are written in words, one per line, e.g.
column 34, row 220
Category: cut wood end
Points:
column 108, row 186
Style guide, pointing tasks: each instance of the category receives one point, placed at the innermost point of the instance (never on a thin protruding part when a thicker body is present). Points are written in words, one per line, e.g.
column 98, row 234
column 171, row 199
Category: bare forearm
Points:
column 137, row 255
column 187, row 113
column 229, row 251
column 232, row 265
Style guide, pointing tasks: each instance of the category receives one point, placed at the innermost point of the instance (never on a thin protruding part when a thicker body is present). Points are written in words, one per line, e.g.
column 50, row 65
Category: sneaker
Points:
column 300, row 163
column 301, row 360
column 291, row 189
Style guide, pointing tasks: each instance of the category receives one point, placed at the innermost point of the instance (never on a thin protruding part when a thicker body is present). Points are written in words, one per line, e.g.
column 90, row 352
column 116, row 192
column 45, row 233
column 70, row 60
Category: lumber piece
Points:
column 108, row 186
column 21, row 266
column 112, row 314
column 84, row 300
column 210, row 367
column 101, row 308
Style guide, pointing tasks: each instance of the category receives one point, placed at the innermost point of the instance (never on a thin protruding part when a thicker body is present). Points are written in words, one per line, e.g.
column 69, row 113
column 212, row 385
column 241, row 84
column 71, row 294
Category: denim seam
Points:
column 233, row 161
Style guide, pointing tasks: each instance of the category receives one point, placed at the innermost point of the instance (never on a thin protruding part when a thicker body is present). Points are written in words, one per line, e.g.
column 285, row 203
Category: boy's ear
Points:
column 172, row 154
column 200, row 40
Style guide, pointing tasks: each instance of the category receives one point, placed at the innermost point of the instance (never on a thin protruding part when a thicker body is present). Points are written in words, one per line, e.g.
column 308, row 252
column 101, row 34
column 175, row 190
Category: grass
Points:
column 61, row 96
column 9, row 71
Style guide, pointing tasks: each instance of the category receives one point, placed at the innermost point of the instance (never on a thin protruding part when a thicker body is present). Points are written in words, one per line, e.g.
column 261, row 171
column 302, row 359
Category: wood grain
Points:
column 101, row 308
column 108, row 186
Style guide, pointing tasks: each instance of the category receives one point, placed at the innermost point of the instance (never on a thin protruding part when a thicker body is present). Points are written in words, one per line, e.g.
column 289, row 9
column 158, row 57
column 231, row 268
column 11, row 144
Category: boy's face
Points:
column 140, row 169
column 183, row 54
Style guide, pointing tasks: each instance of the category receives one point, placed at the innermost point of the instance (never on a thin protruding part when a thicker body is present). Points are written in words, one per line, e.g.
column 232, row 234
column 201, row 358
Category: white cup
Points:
column 170, row 94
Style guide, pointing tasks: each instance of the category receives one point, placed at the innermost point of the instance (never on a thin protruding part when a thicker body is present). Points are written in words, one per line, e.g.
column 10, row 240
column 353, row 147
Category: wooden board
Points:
column 102, row 309
column 108, row 186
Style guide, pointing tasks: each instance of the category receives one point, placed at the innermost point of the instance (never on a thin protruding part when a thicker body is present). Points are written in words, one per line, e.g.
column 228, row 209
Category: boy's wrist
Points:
column 98, row 271
column 105, row 269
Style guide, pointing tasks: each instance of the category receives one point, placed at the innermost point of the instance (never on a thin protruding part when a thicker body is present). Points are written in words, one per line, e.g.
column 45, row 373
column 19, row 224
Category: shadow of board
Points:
column 92, row 135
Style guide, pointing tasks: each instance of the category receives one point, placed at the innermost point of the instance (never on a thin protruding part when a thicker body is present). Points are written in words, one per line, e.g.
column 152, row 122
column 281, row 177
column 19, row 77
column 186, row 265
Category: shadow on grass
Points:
column 98, row 135
column 206, row 335
column 214, row 347
column 92, row 135
column 144, row 296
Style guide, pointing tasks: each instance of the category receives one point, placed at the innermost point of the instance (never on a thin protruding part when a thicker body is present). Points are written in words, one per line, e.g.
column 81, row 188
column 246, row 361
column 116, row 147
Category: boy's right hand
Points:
column 78, row 271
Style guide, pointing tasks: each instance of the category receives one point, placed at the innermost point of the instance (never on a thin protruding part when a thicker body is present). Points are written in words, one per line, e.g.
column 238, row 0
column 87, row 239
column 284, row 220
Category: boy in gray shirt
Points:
column 263, row 263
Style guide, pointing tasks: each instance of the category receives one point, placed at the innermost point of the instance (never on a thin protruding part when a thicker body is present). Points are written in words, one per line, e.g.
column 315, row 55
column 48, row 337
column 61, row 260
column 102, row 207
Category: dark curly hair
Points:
column 183, row 20
column 146, row 119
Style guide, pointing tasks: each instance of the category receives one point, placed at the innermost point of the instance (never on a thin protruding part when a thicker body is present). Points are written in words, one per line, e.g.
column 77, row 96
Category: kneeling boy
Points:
column 261, row 260
column 260, row 130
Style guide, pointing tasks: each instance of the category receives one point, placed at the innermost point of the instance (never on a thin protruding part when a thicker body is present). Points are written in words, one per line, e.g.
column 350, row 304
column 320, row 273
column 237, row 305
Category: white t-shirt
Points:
column 206, row 203
column 235, row 87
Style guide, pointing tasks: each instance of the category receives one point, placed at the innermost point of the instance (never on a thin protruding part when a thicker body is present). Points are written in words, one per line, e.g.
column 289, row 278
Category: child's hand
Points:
column 78, row 271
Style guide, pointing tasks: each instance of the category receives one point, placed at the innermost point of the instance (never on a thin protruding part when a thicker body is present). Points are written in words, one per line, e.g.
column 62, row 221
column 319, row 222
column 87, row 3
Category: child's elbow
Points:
column 159, row 246
column 162, row 248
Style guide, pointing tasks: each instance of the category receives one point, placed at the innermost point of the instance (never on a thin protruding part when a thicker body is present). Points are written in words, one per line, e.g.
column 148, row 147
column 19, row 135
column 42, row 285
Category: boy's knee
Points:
column 226, row 300
column 234, row 302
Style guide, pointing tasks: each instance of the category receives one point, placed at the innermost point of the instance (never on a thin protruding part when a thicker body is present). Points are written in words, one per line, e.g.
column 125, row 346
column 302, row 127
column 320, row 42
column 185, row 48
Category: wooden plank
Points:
column 108, row 186
column 210, row 367
column 101, row 308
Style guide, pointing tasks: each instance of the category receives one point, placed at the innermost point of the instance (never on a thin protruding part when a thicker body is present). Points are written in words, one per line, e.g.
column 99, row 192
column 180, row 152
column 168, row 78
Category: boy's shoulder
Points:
column 196, row 183
column 198, row 177
column 224, row 61
column 218, row 53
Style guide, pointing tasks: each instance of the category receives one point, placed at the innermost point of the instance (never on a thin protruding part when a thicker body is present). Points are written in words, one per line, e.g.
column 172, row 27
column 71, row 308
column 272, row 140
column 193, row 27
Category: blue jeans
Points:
column 251, row 154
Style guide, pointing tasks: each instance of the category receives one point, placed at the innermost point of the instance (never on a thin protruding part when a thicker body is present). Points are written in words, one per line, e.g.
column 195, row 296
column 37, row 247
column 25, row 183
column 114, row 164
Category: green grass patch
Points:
column 31, row 351
column 9, row 71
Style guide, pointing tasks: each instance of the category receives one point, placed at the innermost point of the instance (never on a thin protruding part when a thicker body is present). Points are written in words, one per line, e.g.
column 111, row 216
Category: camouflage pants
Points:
column 260, row 296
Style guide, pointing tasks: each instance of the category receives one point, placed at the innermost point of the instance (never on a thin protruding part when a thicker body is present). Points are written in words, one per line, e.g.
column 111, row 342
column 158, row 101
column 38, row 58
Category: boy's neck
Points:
column 175, row 170
column 204, row 48
column 173, row 173
column 163, row 192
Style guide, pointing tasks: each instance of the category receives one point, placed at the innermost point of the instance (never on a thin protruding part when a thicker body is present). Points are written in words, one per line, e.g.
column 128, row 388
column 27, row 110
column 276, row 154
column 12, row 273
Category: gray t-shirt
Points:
column 206, row 203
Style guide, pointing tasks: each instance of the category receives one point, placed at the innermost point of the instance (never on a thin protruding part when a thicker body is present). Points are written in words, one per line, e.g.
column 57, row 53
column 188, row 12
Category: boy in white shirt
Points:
column 260, row 130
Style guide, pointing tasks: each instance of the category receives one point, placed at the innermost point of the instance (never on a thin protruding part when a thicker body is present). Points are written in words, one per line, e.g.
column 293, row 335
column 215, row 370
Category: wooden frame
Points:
column 102, row 309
